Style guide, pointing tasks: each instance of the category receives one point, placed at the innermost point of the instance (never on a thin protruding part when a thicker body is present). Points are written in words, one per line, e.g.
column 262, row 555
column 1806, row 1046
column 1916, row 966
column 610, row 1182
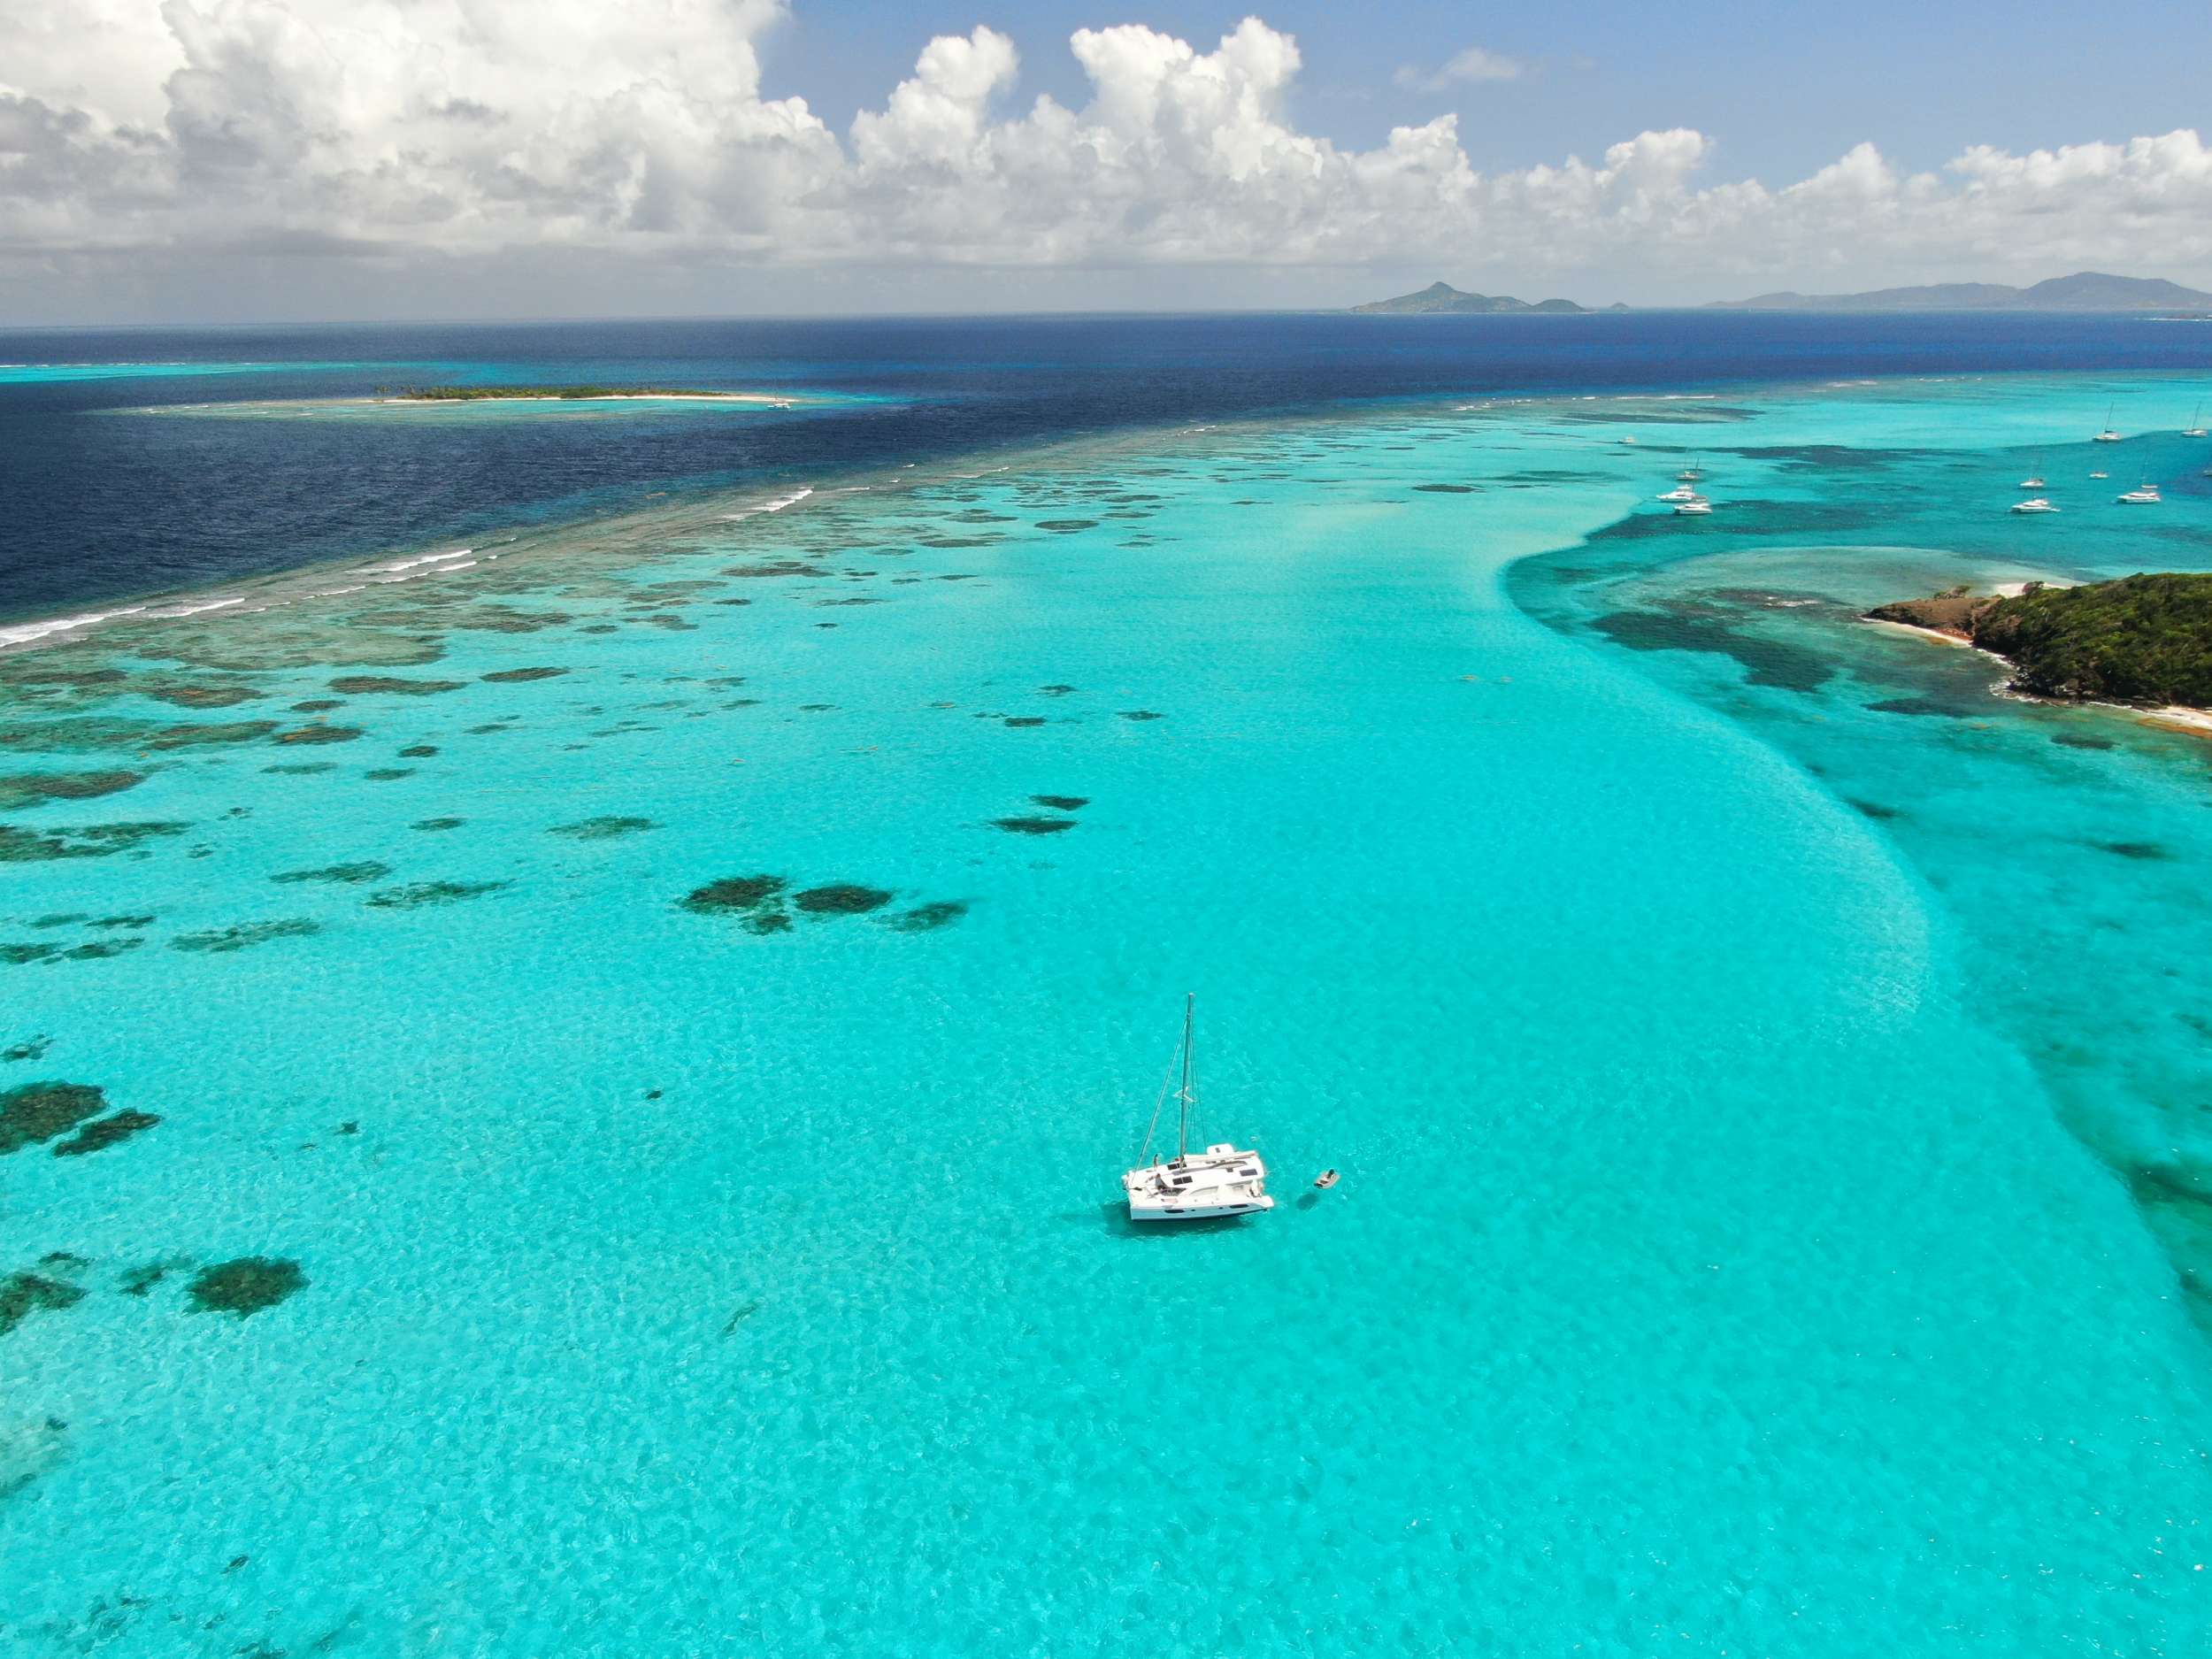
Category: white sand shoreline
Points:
column 2173, row 717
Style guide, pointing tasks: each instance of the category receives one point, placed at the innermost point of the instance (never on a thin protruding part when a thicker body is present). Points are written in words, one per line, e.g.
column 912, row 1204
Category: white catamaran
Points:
column 1219, row 1181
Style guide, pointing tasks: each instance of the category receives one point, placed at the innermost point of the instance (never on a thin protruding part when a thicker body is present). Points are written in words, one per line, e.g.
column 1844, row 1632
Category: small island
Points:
column 2144, row 641
column 1441, row 299
column 565, row 394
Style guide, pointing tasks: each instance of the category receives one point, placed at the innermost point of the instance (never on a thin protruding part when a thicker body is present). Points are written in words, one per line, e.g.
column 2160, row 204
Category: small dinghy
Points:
column 1222, row 1180
column 1327, row 1180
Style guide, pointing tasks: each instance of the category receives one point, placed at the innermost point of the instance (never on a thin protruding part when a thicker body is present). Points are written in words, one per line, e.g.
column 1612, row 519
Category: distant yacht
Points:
column 2110, row 434
column 2142, row 496
column 2034, row 479
column 1690, row 474
column 1694, row 504
column 2033, row 505
column 2100, row 474
column 1191, row 1187
column 1680, row 492
column 2196, row 428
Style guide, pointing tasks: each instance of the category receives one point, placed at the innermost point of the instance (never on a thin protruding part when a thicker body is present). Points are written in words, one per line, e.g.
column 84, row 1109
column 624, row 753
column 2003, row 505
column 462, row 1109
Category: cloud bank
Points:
column 132, row 130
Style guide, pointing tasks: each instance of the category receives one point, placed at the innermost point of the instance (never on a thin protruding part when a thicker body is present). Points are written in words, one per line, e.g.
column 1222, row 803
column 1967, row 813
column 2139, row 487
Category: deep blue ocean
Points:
column 96, row 504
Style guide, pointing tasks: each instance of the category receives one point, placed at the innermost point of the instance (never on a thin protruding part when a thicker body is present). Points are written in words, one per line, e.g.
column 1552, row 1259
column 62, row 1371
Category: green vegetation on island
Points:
column 2144, row 639
column 485, row 394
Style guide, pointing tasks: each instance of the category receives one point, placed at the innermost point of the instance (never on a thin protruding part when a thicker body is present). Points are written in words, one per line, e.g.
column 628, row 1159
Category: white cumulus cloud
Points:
column 1475, row 63
column 135, row 133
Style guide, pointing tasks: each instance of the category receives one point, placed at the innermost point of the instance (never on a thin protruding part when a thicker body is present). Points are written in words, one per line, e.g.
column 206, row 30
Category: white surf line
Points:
column 774, row 503
column 420, row 558
column 26, row 632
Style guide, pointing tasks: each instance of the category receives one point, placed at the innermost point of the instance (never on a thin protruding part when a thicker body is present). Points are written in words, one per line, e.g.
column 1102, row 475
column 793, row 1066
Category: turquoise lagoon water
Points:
column 1746, row 1245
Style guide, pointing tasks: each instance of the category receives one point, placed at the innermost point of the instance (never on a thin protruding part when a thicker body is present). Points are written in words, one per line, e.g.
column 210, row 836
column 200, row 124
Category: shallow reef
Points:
column 1063, row 803
column 514, row 676
column 19, row 846
column 842, row 898
column 1034, row 826
column 365, row 870
column 733, row 893
column 22, row 1294
column 1142, row 714
column 417, row 894
column 368, row 685
column 105, row 1132
column 602, row 829
column 217, row 941
column 32, row 789
column 33, row 1112
column 320, row 734
column 438, row 823
column 925, row 919
column 247, row 1285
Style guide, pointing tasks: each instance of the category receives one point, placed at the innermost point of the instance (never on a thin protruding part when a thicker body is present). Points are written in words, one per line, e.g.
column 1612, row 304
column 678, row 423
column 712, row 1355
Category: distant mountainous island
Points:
column 2084, row 291
column 1442, row 299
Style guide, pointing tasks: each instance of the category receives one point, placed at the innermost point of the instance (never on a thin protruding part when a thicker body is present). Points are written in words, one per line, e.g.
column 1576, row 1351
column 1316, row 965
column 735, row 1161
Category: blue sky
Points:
column 1784, row 89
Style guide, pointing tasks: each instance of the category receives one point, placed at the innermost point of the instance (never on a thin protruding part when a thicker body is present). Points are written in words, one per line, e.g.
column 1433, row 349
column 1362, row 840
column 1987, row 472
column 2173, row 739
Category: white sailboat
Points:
column 2034, row 504
column 1689, row 474
column 1697, row 506
column 2034, row 479
column 1680, row 492
column 2142, row 496
column 1219, row 1181
column 2196, row 428
column 2110, row 434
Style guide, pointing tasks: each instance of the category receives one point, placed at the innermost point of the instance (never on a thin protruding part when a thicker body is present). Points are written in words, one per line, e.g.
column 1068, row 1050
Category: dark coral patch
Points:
column 768, row 918
column 94, row 841
column 1063, row 803
column 417, row 894
column 1445, row 489
column 219, row 941
column 39, row 1111
column 1934, row 707
column 841, row 898
column 196, row 696
column 139, row 1280
column 438, row 823
column 776, row 567
column 2133, row 849
column 321, row 734
column 29, row 1048
column 1064, row 526
column 1034, row 826
column 419, row 751
column 1142, row 714
column 1025, row 719
column 319, row 705
column 246, row 1285
column 926, row 918
column 388, row 774
column 31, row 788
column 734, row 893
column 602, row 829
column 22, row 1294
column 1875, row 809
column 366, row 870
column 302, row 768
column 2079, row 740
column 369, row 685
column 105, row 1132
column 207, row 736
column 516, row 676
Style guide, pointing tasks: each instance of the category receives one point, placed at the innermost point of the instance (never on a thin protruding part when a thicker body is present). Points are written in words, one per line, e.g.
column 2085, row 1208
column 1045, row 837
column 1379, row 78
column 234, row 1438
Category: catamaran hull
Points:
column 1135, row 1214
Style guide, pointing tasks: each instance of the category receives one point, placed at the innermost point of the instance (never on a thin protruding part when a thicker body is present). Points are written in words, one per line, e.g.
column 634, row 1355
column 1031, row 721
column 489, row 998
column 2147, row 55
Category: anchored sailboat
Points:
column 1219, row 1181
column 2196, row 428
column 2111, row 434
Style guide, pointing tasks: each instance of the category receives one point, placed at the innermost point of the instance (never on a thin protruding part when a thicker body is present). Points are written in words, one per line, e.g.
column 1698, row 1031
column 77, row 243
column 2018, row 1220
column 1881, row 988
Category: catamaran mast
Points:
column 1182, row 1127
